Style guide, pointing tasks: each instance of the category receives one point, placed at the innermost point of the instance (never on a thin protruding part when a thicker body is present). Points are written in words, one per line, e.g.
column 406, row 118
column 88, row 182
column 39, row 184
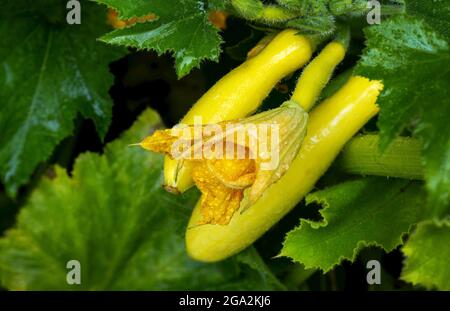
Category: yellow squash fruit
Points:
column 317, row 74
column 330, row 126
column 241, row 92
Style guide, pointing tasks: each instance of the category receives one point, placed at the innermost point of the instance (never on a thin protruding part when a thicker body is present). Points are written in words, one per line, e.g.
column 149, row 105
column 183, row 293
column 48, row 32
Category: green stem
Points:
column 343, row 35
column 402, row 159
column 297, row 276
column 255, row 10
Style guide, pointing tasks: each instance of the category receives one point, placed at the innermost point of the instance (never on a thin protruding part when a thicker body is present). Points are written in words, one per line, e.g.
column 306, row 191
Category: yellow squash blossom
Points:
column 235, row 162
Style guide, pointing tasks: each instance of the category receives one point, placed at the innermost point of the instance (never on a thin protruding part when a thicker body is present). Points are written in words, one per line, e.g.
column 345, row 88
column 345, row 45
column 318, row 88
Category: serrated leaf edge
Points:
column 407, row 251
column 172, row 51
column 312, row 198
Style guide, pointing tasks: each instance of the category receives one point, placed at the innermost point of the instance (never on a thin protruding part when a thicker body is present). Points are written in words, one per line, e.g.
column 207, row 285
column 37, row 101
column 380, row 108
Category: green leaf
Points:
column 217, row 5
column 251, row 258
column 436, row 13
column 130, row 9
column 114, row 217
column 50, row 72
column 427, row 255
column 182, row 28
column 322, row 25
column 414, row 63
column 348, row 7
column 370, row 211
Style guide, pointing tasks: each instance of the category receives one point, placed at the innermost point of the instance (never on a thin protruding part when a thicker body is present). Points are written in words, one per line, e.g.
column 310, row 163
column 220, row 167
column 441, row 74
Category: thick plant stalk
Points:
column 241, row 92
column 402, row 159
column 331, row 125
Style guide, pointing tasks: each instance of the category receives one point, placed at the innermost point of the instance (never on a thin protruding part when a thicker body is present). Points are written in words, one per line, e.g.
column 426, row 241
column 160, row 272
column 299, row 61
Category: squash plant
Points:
column 360, row 88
